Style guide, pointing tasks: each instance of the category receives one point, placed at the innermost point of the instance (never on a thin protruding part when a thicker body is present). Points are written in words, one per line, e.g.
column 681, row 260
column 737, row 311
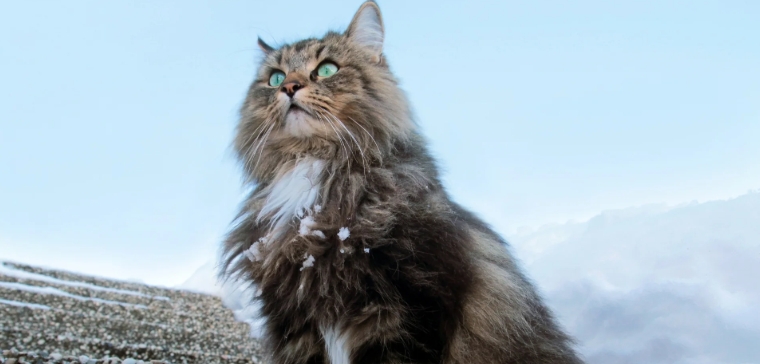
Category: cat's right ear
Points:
column 266, row 48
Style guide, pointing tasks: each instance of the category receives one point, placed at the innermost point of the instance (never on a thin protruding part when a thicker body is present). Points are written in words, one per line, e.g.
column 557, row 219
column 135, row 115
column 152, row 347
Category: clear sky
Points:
column 116, row 117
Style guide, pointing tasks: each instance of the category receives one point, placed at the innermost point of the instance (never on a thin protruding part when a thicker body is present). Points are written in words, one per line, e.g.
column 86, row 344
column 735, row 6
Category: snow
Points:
column 308, row 262
column 24, row 304
column 305, row 226
column 366, row 250
column 343, row 233
column 58, row 292
column 21, row 274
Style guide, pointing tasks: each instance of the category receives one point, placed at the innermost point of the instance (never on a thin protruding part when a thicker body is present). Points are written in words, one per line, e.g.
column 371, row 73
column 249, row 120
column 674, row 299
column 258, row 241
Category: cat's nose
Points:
column 290, row 88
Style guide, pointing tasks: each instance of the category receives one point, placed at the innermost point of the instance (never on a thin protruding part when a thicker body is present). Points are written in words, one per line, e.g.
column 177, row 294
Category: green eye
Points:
column 276, row 78
column 327, row 69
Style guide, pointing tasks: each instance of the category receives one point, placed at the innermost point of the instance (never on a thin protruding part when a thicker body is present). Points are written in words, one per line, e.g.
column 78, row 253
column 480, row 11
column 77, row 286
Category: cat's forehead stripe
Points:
column 298, row 55
column 279, row 57
column 300, row 46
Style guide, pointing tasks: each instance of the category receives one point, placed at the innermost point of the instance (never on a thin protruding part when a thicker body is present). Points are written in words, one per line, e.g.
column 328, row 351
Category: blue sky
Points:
column 116, row 117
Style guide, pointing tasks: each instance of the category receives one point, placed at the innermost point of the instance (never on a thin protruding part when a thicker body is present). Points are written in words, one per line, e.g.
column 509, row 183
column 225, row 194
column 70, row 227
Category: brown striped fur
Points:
column 419, row 279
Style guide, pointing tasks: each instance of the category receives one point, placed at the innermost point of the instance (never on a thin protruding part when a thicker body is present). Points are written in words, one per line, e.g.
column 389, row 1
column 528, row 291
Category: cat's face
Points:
column 335, row 92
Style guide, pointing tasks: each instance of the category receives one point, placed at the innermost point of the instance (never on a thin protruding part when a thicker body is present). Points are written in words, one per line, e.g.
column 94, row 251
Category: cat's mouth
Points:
column 299, row 122
column 296, row 109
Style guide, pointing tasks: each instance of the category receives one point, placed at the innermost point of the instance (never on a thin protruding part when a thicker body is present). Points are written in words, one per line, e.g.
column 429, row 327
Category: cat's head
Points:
column 334, row 97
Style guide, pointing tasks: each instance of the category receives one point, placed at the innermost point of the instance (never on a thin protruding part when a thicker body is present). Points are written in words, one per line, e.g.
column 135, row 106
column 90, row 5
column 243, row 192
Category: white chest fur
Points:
column 294, row 192
column 335, row 343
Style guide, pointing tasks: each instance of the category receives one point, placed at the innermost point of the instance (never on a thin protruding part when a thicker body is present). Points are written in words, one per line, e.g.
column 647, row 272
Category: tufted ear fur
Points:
column 266, row 48
column 366, row 29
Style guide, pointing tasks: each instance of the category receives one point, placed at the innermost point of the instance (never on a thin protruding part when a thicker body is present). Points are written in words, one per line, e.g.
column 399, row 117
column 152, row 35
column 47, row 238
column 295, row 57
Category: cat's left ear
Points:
column 266, row 48
column 366, row 29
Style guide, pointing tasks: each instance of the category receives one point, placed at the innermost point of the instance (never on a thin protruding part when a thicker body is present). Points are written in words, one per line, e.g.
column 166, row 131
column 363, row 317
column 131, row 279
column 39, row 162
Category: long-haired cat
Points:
column 358, row 253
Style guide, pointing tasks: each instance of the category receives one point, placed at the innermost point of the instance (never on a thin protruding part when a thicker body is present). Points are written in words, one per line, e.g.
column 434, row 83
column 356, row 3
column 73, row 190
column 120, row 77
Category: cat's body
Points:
column 358, row 253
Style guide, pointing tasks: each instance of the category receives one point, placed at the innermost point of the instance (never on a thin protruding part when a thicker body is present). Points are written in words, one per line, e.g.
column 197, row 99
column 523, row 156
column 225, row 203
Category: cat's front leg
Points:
column 375, row 334
column 302, row 347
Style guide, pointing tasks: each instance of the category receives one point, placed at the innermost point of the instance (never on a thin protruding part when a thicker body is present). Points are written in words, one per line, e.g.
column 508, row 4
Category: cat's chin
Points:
column 299, row 124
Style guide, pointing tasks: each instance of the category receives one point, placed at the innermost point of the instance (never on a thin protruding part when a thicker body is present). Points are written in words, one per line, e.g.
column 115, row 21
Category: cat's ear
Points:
column 366, row 29
column 266, row 48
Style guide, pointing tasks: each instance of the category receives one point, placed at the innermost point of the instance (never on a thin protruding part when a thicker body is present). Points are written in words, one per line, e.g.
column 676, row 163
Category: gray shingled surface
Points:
column 161, row 324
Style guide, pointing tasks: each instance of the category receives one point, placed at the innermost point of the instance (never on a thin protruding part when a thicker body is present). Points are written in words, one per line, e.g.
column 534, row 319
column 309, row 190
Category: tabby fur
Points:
column 357, row 252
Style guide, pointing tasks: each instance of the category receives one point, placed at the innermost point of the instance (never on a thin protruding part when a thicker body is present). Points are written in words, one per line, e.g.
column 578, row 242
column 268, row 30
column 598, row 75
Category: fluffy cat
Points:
column 358, row 253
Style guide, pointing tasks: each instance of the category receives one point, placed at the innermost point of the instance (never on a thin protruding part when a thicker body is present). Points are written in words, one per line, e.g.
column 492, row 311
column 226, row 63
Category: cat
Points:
column 357, row 252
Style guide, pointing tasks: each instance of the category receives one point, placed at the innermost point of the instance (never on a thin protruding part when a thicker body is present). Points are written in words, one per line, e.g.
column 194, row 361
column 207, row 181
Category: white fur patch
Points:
column 293, row 192
column 335, row 343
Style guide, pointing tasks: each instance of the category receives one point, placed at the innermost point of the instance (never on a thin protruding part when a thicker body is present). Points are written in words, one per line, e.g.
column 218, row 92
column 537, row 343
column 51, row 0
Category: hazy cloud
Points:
column 655, row 285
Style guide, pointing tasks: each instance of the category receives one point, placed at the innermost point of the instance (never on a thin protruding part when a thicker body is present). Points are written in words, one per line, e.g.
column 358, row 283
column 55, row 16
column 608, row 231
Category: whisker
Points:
column 364, row 159
column 369, row 135
column 264, row 127
column 259, row 143
column 261, row 151
column 344, row 143
column 252, row 151
column 255, row 134
column 340, row 139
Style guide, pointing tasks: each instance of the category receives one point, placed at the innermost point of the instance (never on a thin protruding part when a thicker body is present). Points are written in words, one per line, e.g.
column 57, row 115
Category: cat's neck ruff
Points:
column 294, row 192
